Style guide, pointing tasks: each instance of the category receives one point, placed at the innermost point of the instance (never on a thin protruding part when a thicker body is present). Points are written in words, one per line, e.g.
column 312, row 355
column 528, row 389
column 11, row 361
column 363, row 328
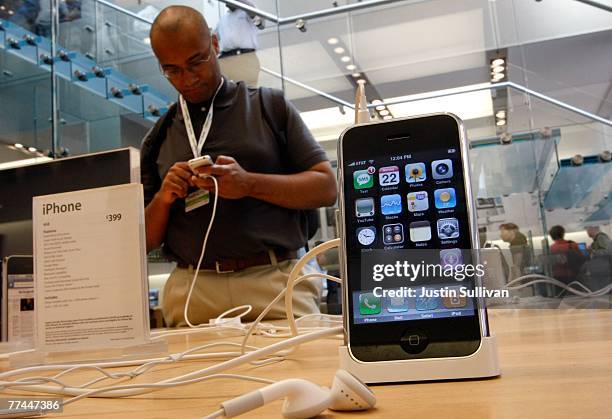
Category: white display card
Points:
column 90, row 269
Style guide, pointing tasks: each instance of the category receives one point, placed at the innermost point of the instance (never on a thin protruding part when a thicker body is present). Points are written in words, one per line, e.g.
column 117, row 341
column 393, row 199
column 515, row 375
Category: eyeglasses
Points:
column 193, row 67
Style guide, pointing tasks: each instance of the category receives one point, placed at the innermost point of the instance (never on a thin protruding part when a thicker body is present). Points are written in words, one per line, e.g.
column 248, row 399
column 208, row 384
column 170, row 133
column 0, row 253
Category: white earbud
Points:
column 350, row 393
column 304, row 399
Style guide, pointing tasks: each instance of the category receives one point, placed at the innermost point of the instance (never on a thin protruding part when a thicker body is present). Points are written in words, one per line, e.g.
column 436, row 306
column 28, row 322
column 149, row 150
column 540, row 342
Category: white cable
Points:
column 548, row 280
column 577, row 283
column 247, row 309
column 162, row 334
column 156, row 386
column 295, row 272
column 124, row 391
column 68, row 368
column 197, row 270
column 290, row 281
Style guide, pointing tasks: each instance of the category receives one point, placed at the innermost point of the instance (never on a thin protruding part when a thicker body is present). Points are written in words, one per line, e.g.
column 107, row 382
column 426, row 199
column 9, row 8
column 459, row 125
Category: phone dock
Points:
column 483, row 363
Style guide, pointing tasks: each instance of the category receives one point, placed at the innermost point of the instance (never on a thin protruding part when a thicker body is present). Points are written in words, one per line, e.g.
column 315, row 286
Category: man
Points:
column 262, row 184
column 519, row 248
column 570, row 259
column 237, row 34
column 601, row 242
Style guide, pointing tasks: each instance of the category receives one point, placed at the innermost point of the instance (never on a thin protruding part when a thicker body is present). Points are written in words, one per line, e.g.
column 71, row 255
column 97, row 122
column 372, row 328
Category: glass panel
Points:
column 25, row 88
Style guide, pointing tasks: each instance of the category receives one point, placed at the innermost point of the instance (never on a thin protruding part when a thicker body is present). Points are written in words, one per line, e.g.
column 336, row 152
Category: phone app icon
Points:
column 364, row 207
column 451, row 257
column 388, row 176
column 426, row 303
column 363, row 179
column 456, row 301
column 445, row 198
column 390, row 204
column 416, row 172
column 418, row 201
column 366, row 235
column 396, row 304
column 420, row 231
column 369, row 304
column 393, row 234
column 442, row 169
column 448, row 228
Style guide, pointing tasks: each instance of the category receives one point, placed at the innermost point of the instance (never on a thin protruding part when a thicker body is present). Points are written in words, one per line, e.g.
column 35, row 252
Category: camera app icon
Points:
column 442, row 169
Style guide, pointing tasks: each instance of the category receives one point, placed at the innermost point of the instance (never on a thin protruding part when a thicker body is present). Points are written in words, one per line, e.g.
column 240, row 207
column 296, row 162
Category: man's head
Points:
column 557, row 233
column 508, row 231
column 187, row 52
column 592, row 231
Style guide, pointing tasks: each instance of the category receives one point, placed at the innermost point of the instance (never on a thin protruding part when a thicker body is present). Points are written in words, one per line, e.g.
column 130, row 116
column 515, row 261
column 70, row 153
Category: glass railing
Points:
column 316, row 52
column 25, row 97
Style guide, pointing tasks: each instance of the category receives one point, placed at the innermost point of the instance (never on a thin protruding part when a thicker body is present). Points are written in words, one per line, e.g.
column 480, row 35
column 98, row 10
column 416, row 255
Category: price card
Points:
column 90, row 269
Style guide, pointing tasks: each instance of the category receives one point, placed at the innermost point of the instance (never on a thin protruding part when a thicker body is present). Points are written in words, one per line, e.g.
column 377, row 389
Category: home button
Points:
column 414, row 341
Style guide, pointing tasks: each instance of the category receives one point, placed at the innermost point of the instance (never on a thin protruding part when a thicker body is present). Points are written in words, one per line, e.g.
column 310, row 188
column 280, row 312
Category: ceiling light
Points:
column 381, row 107
column 18, row 145
column 501, row 114
column 501, row 123
column 2, row 7
column 498, row 61
column 376, row 101
column 498, row 69
column 332, row 41
column 361, row 81
column 498, row 76
column 356, row 75
column 31, row 149
column 473, row 105
column 387, row 117
column 384, row 112
column 345, row 59
column 351, row 67
column 339, row 50
column 11, row 12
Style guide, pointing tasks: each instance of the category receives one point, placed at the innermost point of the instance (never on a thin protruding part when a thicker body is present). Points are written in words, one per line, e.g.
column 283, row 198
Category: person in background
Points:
column 601, row 241
column 494, row 256
column 567, row 266
column 519, row 247
column 237, row 34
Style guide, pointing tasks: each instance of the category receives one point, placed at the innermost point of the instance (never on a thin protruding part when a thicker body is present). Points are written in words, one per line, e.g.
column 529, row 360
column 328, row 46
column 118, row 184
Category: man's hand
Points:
column 176, row 183
column 234, row 182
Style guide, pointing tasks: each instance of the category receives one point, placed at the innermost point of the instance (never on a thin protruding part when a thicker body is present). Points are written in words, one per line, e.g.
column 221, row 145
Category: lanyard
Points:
column 196, row 148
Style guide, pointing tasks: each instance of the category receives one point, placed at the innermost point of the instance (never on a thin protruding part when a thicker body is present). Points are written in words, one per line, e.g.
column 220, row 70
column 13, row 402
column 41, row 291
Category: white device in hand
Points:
column 205, row 160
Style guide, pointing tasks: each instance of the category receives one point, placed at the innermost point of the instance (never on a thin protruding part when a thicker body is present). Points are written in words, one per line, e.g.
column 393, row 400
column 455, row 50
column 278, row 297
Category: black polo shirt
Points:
column 246, row 226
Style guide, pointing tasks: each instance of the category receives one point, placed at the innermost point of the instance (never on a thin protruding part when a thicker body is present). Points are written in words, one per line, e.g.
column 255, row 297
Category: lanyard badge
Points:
column 196, row 147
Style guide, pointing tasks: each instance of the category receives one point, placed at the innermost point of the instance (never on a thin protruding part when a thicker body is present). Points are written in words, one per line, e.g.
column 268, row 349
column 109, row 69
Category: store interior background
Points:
column 424, row 56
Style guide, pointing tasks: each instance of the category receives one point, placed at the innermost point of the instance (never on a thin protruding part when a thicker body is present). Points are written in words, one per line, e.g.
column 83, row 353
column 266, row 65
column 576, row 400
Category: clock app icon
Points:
column 366, row 235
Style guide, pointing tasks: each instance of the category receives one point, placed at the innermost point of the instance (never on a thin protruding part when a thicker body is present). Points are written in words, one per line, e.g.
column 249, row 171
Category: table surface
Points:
column 555, row 363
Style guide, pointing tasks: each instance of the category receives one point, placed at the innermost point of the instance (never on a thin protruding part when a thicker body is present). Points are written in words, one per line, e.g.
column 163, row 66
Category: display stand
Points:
column 481, row 364
column 90, row 279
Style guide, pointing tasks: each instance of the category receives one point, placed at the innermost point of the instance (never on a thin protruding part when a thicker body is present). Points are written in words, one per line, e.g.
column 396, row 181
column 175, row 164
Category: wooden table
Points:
column 555, row 363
